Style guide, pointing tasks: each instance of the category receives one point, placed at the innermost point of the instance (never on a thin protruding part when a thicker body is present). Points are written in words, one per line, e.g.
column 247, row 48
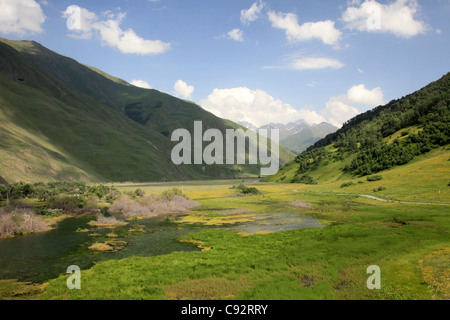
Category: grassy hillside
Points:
column 425, row 179
column 404, row 142
column 63, row 120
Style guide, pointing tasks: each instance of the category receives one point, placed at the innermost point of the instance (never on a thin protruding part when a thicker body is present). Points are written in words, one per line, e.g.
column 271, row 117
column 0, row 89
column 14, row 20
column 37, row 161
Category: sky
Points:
column 258, row 61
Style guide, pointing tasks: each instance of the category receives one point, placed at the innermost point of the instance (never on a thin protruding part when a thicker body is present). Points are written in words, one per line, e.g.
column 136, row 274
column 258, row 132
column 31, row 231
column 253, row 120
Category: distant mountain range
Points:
column 297, row 136
column 62, row 120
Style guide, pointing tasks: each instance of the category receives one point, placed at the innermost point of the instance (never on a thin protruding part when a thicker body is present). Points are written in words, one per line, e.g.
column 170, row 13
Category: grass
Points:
column 425, row 179
column 408, row 242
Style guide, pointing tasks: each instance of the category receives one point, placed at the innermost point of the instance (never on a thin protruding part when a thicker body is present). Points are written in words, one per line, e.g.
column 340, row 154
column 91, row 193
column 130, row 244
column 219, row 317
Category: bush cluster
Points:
column 242, row 188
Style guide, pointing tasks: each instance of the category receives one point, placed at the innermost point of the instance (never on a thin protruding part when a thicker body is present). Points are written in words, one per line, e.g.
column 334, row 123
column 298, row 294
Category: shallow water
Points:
column 273, row 222
column 43, row 256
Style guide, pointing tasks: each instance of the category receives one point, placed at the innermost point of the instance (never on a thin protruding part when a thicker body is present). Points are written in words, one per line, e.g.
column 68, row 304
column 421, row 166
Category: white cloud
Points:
column 254, row 106
column 398, row 18
column 322, row 30
column 316, row 63
column 141, row 84
column 339, row 112
column 236, row 35
column 83, row 23
column 21, row 17
column 80, row 22
column 183, row 90
column 251, row 14
column 360, row 95
column 341, row 108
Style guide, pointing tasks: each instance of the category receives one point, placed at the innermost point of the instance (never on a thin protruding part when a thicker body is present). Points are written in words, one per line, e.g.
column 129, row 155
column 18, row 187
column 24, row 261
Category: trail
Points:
column 407, row 202
column 384, row 200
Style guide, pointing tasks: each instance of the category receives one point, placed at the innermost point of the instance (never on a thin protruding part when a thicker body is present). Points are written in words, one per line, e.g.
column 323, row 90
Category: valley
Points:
column 88, row 179
column 311, row 263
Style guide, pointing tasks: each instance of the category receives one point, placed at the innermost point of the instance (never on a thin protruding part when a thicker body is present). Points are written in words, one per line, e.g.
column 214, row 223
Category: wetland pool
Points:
column 43, row 256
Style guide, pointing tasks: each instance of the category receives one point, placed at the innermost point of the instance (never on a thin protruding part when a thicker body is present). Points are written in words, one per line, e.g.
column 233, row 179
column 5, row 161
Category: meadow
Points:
column 409, row 242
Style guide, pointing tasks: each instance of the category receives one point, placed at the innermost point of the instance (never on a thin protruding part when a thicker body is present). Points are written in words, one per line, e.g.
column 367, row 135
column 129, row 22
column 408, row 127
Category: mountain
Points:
column 297, row 136
column 379, row 140
column 247, row 125
column 60, row 120
column 300, row 139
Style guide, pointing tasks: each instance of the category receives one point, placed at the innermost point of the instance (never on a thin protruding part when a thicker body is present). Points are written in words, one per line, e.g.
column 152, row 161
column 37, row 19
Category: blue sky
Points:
column 259, row 61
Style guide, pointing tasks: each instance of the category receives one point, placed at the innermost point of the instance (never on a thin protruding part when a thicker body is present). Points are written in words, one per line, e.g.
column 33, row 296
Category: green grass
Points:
column 326, row 263
column 424, row 179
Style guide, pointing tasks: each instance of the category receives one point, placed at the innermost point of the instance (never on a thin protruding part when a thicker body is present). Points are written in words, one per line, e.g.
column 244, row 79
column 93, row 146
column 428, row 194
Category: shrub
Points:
column 101, row 219
column 128, row 207
column 348, row 184
column 112, row 195
column 100, row 191
column 152, row 204
column 242, row 188
column 170, row 193
column 305, row 179
column 51, row 212
column 379, row 189
column 139, row 193
column 67, row 203
column 374, row 178
column 20, row 221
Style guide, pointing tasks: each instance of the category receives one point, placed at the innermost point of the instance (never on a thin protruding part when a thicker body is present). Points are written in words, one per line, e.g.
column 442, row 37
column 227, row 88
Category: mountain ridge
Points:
column 380, row 139
column 63, row 120
column 296, row 136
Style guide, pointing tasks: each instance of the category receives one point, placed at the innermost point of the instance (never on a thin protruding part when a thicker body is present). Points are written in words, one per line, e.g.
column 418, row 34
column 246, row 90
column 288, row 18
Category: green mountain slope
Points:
column 380, row 140
column 63, row 120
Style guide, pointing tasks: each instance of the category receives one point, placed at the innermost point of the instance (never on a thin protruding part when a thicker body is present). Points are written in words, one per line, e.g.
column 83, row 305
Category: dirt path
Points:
column 407, row 202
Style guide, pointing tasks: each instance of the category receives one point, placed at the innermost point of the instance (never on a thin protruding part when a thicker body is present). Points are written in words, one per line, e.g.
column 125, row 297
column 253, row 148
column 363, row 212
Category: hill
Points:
column 299, row 140
column 62, row 120
column 406, row 131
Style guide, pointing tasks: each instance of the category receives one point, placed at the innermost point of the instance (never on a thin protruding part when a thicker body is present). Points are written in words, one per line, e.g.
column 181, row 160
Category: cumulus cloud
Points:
column 342, row 108
column 254, row 106
column 398, row 18
column 322, row 30
column 253, row 13
column 82, row 23
column 183, row 90
column 236, row 35
column 141, row 84
column 308, row 63
column 21, row 17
